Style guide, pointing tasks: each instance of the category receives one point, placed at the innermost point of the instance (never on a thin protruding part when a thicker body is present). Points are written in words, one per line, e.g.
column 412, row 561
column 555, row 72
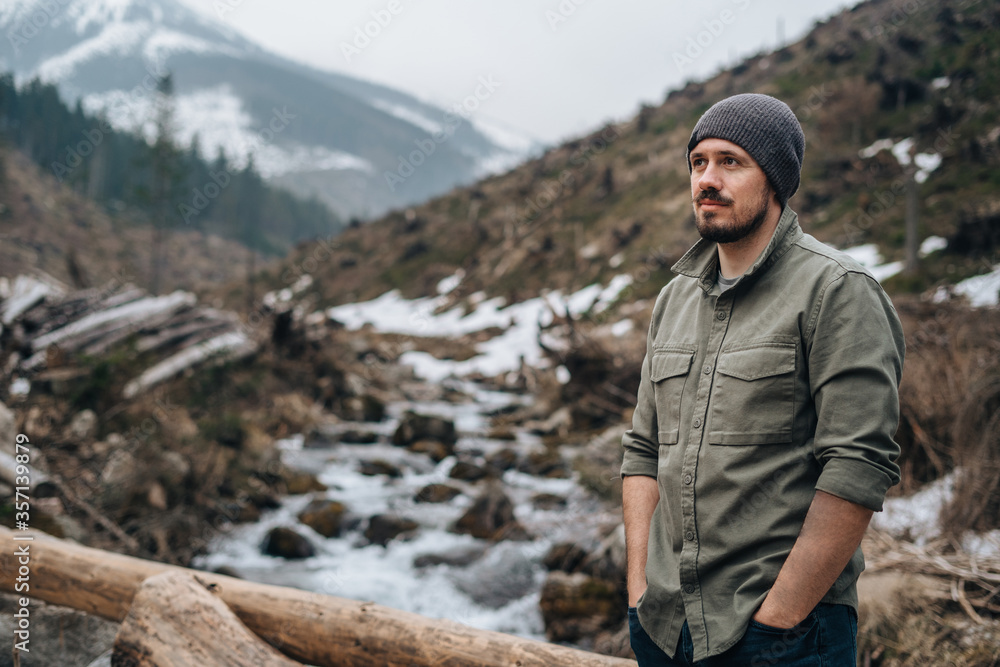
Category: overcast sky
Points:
column 563, row 66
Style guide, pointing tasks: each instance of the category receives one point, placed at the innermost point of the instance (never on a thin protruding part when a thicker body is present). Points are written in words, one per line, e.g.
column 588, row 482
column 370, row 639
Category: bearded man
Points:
column 762, row 438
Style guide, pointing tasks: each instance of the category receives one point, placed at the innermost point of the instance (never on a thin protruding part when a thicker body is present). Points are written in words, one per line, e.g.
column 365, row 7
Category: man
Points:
column 761, row 441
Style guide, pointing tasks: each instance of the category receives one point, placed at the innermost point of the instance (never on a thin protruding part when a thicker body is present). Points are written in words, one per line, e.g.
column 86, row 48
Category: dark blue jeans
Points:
column 826, row 638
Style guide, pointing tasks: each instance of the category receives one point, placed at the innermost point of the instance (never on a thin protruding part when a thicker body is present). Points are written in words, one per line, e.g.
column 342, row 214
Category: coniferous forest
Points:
column 168, row 186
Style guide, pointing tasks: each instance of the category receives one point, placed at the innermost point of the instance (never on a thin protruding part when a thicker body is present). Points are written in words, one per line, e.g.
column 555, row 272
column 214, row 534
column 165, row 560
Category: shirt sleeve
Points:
column 640, row 442
column 855, row 364
column 641, row 446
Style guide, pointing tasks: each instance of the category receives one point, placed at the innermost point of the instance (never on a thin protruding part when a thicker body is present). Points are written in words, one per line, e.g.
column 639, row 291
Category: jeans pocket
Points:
column 765, row 645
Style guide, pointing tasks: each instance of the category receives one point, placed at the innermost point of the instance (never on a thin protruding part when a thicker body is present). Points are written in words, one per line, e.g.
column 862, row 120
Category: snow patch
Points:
column 163, row 43
column 448, row 285
column 870, row 258
column 982, row 291
column 932, row 244
column 940, row 82
column 918, row 514
column 622, row 327
column 408, row 115
column 901, row 150
column 20, row 387
column 218, row 118
column 114, row 39
column 522, row 324
column 873, row 150
column 926, row 163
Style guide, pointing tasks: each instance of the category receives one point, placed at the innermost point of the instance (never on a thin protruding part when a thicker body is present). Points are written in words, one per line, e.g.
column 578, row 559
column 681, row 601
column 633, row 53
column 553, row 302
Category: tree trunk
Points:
column 175, row 622
column 316, row 629
column 912, row 240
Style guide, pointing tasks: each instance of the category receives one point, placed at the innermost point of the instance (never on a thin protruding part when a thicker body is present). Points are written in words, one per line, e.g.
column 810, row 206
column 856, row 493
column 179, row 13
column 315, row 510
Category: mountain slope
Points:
column 342, row 135
column 47, row 227
column 868, row 84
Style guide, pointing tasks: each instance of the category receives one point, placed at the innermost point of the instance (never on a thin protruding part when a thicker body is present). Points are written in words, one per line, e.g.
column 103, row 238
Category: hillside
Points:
column 617, row 201
column 49, row 227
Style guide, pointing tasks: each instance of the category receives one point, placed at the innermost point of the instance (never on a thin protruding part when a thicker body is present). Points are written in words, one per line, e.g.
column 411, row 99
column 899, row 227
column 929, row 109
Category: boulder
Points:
column 575, row 607
column 467, row 471
column 413, row 427
column 608, row 560
column 298, row 482
column 323, row 516
column 364, row 408
column 384, row 527
column 503, row 459
column 379, row 467
column 502, row 433
column 491, row 517
column 548, row 501
column 436, row 493
column 544, row 463
column 505, row 574
column 61, row 636
column 356, row 437
column 437, row 451
column 286, row 543
column 565, row 557
column 457, row 558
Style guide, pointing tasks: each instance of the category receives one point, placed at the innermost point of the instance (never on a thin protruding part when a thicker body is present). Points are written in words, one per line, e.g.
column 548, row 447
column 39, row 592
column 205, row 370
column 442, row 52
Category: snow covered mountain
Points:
column 360, row 147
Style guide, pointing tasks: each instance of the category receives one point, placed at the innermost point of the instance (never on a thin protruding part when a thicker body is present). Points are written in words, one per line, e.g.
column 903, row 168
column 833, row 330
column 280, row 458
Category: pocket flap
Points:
column 669, row 364
column 758, row 362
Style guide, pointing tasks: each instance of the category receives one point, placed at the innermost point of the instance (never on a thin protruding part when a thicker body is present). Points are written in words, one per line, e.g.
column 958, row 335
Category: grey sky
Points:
column 564, row 66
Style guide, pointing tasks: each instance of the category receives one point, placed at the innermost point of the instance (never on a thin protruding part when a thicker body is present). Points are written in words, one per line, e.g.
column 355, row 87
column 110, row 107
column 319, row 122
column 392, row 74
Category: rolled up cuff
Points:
column 637, row 465
column 854, row 481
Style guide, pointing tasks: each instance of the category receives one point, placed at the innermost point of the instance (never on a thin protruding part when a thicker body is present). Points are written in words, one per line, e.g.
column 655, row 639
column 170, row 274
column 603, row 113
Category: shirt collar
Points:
column 702, row 260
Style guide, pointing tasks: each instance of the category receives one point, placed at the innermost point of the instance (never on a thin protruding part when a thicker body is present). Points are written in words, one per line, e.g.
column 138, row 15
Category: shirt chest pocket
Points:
column 669, row 370
column 753, row 398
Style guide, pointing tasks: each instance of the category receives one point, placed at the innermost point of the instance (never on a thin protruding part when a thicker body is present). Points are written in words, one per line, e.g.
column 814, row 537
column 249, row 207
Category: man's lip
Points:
column 707, row 202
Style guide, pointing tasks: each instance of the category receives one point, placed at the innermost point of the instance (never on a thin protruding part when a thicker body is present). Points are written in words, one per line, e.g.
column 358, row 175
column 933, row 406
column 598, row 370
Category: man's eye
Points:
column 731, row 161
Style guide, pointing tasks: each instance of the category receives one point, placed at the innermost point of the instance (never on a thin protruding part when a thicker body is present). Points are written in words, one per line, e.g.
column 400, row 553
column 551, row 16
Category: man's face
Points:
column 729, row 191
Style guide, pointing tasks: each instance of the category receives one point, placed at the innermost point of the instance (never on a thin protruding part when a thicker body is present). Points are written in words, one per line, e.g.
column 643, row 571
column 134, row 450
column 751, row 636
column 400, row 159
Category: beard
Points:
column 745, row 220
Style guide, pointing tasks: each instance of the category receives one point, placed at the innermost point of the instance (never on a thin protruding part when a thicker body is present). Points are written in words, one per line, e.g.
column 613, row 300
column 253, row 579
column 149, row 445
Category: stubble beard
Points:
column 744, row 223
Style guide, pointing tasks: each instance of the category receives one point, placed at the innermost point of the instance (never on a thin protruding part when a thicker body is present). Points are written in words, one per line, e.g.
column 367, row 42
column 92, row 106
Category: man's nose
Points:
column 710, row 178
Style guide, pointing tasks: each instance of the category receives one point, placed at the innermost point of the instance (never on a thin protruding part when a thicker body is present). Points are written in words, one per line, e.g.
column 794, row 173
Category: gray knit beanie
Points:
column 765, row 128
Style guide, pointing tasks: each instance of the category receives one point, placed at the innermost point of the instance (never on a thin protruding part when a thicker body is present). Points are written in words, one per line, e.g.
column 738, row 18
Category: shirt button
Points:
column 689, row 588
column 687, row 479
column 720, row 315
column 689, row 535
column 697, row 423
column 707, row 369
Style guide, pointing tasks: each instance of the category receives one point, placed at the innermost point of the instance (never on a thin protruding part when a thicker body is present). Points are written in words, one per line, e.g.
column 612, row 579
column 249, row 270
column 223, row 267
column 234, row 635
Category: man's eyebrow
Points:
column 724, row 151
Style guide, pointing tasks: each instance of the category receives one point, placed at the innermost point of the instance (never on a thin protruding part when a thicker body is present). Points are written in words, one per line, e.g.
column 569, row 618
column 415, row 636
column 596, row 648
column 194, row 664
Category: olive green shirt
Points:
column 750, row 400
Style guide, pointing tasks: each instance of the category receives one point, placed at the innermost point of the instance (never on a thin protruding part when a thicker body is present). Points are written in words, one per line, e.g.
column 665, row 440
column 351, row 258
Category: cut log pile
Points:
column 174, row 616
column 173, row 331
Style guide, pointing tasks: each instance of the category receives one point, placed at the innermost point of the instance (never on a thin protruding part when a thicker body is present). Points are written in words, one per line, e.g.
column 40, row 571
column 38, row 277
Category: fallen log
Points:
column 175, row 622
column 315, row 629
